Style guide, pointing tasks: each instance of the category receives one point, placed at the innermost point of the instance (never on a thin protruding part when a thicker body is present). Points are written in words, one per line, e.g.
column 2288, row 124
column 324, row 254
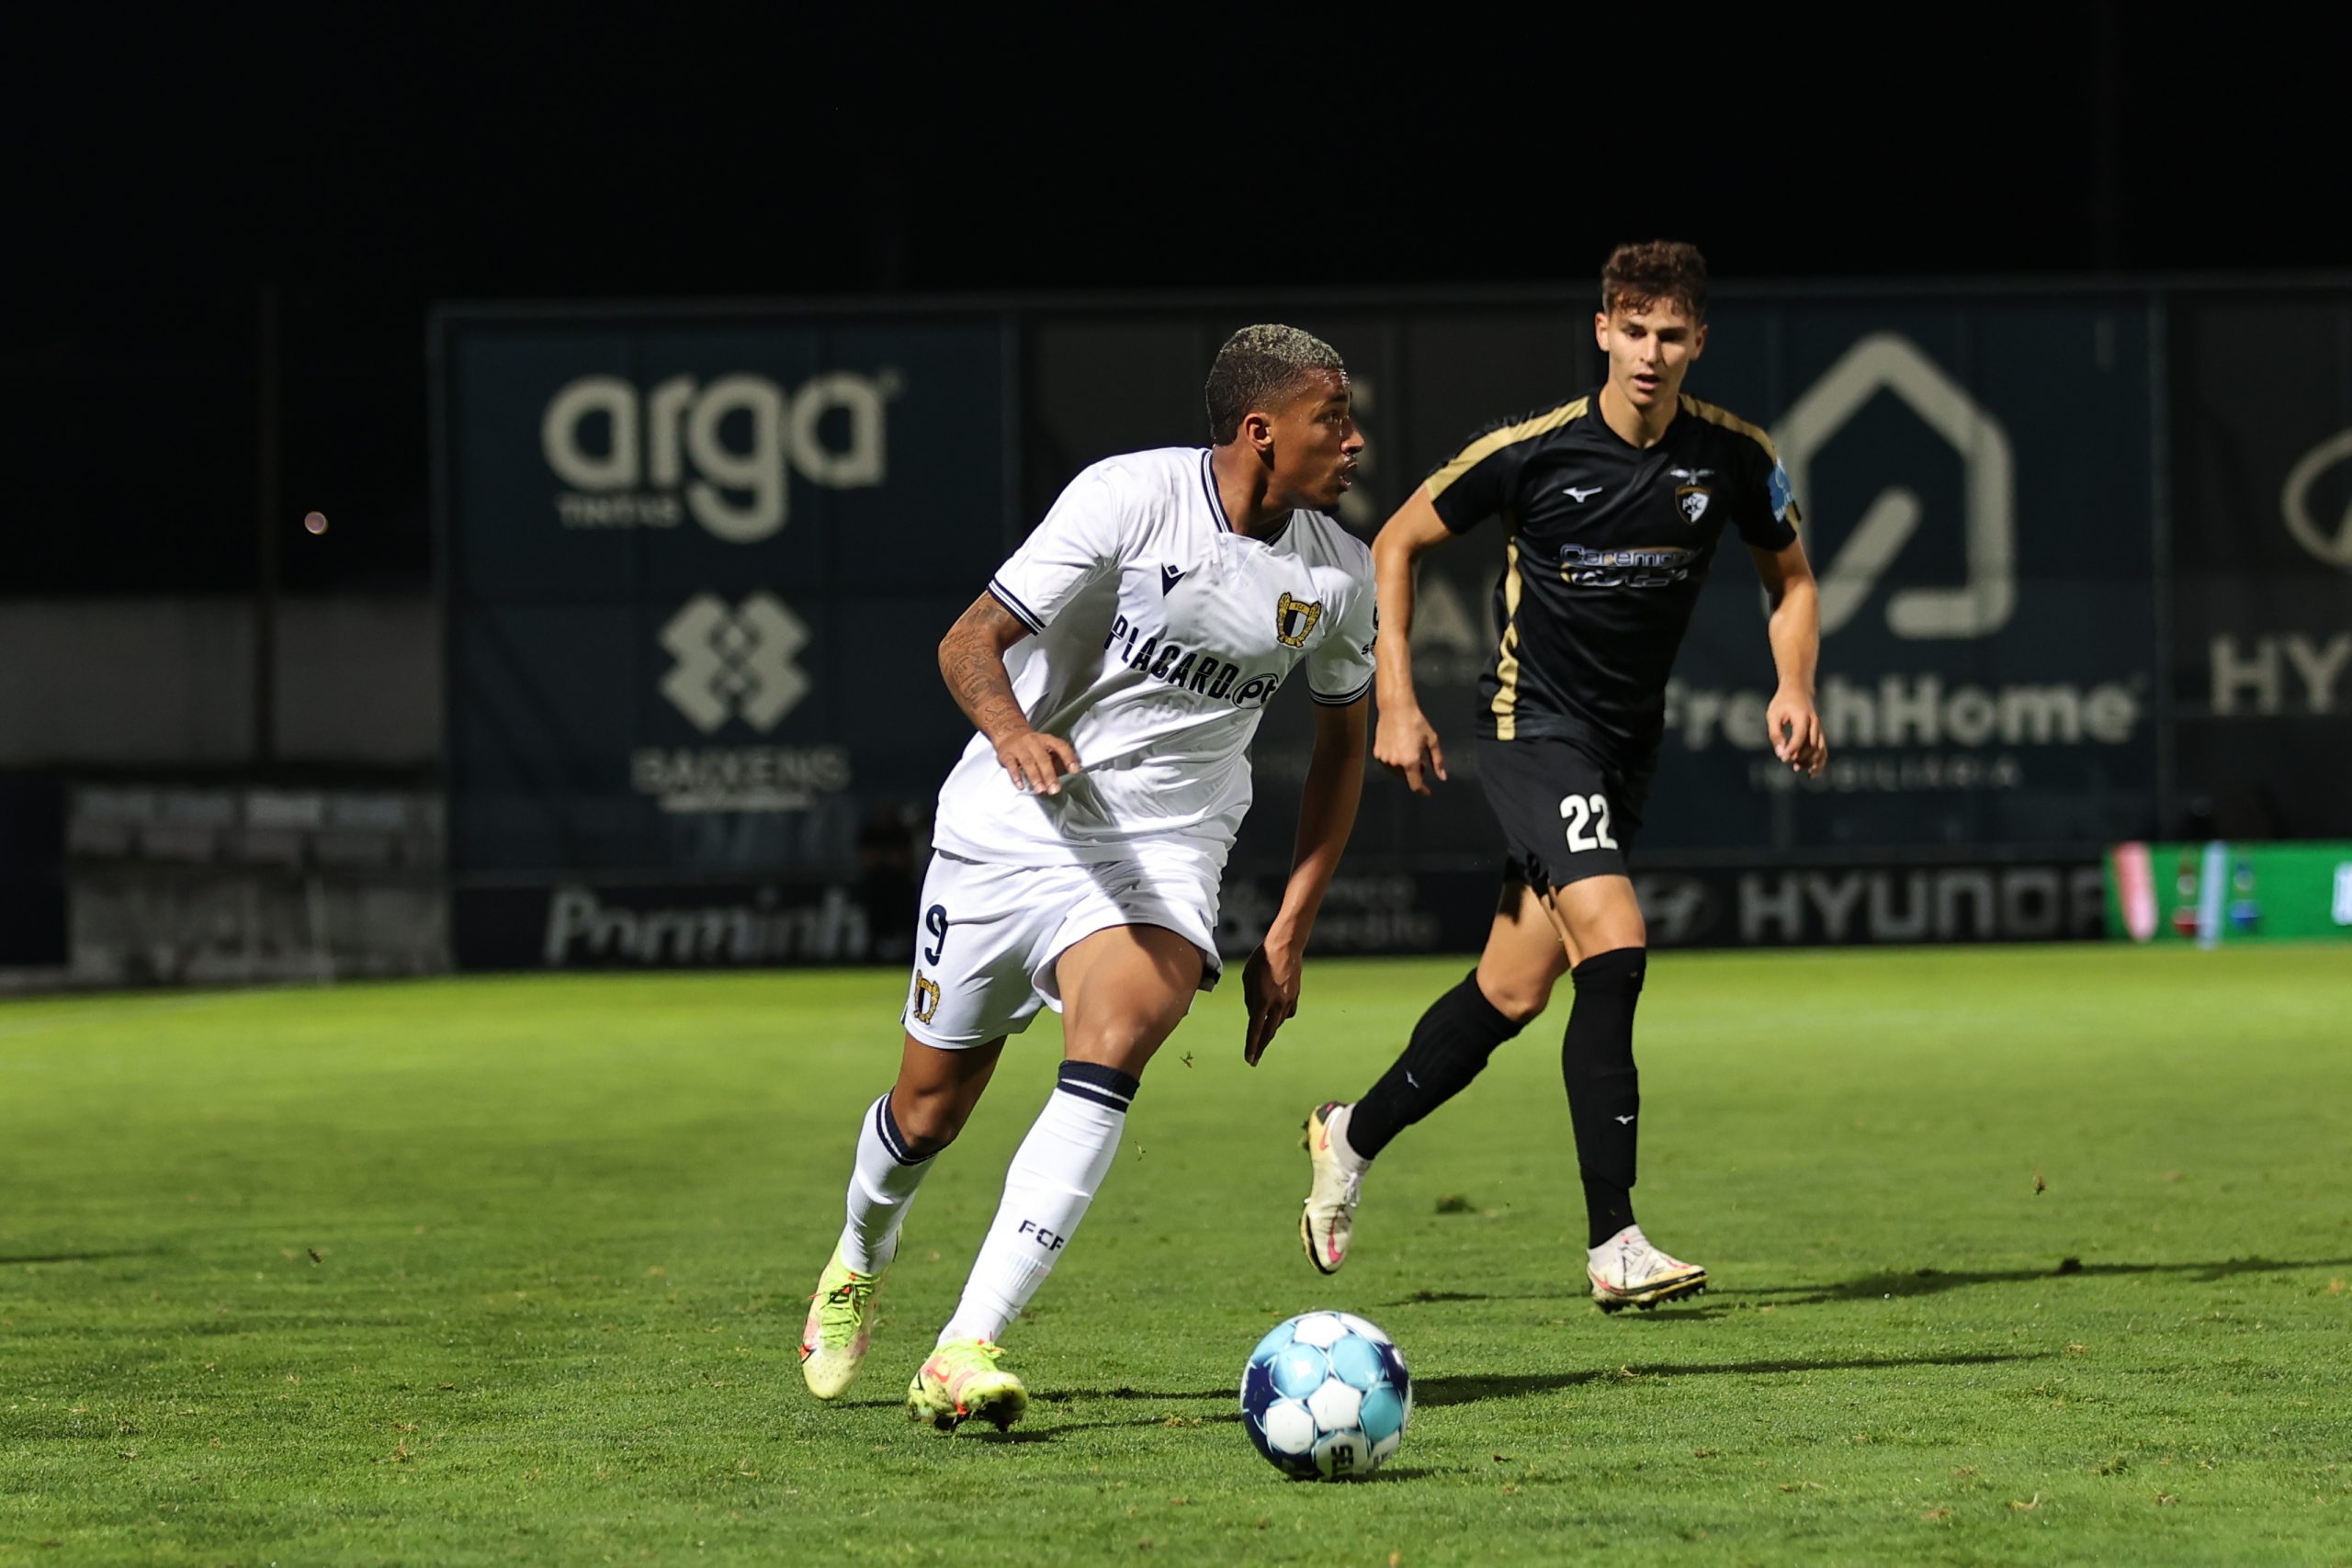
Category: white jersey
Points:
column 1159, row 637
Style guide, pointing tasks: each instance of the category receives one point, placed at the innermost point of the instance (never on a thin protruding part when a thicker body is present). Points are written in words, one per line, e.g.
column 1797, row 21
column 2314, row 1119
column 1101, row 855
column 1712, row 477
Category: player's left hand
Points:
column 1270, row 992
column 1795, row 730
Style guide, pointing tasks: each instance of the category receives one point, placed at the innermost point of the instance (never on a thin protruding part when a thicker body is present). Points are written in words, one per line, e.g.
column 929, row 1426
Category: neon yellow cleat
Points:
column 834, row 1340
column 961, row 1381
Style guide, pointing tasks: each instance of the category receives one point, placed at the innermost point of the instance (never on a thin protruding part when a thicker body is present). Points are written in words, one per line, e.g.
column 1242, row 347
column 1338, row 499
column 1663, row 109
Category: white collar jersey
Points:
column 1157, row 636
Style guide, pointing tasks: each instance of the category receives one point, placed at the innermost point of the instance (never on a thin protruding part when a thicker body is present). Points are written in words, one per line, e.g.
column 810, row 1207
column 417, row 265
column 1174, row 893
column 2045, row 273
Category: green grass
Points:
column 2022, row 1256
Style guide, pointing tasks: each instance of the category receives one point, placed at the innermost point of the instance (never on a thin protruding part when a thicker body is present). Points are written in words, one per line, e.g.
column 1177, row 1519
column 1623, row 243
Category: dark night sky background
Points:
column 368, row 163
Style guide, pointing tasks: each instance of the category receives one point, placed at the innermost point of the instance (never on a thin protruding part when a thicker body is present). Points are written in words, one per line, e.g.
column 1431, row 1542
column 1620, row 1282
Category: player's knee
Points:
column 1617, row 971
column 1124, row 1042
column 1518, row 980
column 929, row 1122
column 1128, row 1051
column 1518, row 998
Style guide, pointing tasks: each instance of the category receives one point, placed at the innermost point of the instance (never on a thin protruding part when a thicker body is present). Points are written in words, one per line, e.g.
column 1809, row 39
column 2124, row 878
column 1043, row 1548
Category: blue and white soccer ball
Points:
column 1326, row 1394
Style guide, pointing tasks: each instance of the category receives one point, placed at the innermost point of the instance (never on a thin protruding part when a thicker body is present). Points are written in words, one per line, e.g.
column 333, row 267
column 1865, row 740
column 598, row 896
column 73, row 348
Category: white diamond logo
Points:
column 734, row 662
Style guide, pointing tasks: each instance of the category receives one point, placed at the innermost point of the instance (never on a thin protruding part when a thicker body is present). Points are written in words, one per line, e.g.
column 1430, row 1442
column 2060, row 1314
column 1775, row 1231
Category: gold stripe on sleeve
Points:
column 1506, row 703
column 1493, row 441
column 1728, row 421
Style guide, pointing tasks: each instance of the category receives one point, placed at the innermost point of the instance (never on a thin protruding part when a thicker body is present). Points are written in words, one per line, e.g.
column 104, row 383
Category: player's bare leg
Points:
column 1124, row 991
column 922, row 1114
column 1600, row 923
column 1524, row 957
column 937, row 1090
column 1523, row 960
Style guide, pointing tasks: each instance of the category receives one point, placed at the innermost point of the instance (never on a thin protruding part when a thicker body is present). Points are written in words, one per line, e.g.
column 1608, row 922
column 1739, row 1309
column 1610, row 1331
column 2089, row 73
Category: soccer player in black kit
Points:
column 1611, row 506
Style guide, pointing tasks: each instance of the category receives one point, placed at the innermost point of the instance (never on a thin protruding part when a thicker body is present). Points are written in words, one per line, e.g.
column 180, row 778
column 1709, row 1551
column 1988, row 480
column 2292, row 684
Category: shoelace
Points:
column 1622, row 1264
column 837, row 1312
column 1643, row 1260
column 1351, row 1184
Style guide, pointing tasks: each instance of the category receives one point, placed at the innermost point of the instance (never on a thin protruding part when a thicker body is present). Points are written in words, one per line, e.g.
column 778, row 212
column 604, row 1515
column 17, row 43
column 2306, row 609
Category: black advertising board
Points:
column 697, row 570
column 1697, row 905
column 33, row 926
column 579, row 923
column 2085, row 560
column 1976, row 479
column 2261, row 422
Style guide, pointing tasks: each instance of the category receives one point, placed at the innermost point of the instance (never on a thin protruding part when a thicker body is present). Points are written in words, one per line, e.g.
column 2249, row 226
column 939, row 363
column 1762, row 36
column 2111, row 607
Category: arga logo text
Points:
column 718, row 452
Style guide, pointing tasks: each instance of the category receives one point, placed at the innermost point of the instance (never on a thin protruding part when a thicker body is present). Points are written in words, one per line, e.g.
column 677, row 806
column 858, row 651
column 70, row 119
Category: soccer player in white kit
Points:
column 1114, row 671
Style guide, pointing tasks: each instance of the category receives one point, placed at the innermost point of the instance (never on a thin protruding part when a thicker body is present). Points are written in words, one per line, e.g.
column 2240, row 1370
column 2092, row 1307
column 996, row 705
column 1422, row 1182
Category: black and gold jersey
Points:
column 1606, row 546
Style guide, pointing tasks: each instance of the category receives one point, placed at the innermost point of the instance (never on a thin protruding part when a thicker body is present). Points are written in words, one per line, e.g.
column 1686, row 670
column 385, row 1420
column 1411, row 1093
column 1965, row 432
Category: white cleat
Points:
column 1330, row 1212
column 1627, row 1271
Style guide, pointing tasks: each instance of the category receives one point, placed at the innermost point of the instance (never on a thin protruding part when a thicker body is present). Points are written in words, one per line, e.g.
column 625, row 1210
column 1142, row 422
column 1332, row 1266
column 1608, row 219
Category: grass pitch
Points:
column 2020, row 1256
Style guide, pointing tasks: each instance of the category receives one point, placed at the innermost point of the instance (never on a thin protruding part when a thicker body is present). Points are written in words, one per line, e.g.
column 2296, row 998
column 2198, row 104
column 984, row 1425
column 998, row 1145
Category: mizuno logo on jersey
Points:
column 1189, row 670
column 1294, row 621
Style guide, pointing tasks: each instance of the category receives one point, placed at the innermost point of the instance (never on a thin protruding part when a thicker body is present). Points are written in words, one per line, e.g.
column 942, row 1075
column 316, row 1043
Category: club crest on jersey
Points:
column 1294, row 621
column 1693, row 501
column 926, row 996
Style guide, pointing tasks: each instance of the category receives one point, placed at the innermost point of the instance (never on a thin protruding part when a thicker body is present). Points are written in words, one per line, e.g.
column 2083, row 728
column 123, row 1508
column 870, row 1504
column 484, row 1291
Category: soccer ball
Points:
column 1326, row 1394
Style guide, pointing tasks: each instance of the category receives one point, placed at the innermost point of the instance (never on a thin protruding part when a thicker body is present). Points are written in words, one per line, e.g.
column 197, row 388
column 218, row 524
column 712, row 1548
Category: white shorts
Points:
column 990, row 935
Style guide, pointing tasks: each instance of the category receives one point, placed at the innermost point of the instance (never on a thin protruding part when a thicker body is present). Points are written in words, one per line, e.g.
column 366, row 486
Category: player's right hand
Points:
column 1405, row 745
column 1036, row 761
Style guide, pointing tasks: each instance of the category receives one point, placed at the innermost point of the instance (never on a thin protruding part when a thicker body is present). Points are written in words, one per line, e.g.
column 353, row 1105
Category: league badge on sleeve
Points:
column 1783, row 499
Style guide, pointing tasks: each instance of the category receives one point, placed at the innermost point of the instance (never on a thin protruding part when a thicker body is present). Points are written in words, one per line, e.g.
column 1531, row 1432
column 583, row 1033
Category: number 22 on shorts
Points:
column 1583, row 812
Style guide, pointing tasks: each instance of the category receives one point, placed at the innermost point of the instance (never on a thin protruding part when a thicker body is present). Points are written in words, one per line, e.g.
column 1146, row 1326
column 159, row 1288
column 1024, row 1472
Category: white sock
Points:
column 1052, row 1179
column 1352, row 1162
column 881, row 1185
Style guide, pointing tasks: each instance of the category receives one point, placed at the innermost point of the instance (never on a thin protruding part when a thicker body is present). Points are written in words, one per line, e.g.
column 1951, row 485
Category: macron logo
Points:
column 1168, row 578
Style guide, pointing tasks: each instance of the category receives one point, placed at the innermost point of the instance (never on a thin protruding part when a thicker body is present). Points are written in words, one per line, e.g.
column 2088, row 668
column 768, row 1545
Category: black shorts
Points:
column 1566, row 815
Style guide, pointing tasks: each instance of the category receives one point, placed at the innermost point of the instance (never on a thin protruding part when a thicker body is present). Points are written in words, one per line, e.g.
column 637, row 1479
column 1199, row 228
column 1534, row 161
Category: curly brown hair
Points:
column 1638, row 277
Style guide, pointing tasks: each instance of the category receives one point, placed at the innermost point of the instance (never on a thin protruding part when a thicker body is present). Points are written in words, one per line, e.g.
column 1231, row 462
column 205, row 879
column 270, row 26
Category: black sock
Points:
column 1604, row 1087
column 1450, row 1048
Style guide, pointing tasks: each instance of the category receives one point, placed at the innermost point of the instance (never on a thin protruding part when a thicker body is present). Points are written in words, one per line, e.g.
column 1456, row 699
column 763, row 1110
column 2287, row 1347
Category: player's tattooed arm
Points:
column 971, row 659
